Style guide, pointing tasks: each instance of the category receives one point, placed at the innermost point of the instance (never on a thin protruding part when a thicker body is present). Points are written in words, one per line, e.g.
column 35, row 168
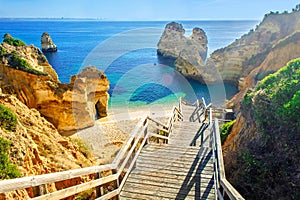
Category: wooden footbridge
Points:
column 178, row 160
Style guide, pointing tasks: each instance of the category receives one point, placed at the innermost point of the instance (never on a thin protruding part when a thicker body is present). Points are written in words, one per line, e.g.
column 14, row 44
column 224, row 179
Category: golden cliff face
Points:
column 37, row 147
column 69, row 107
column 237, row 60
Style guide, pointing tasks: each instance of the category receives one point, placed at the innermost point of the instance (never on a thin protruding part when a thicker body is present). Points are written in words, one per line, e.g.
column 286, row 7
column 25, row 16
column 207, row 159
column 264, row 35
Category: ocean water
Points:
column 126, row 51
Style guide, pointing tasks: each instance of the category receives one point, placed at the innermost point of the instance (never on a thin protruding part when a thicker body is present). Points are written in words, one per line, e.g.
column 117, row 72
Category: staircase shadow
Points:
column 196, row 115
column 200, row 133
column 189, row 182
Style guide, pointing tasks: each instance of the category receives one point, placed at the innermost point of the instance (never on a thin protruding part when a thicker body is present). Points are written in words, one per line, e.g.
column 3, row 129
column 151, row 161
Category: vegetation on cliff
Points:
column 7, row 168
column 14, row 59
column 226, row 129
column 8, row 120
column 17, row 62
column 12, row 41
column 269, row 167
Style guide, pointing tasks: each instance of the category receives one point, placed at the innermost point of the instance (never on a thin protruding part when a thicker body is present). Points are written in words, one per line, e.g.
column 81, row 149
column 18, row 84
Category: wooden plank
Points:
column 174, row 180
column 164, row 191
column 133, row 195
column 131, row 165
column 159, row 136
column 60, row 194
column 173, row 159
column 219, row 150
column 158, row 122
column 176, row 171
column 124, row 150
column 230, row 190
column 109, row 195
column 137, row 140
column 168, row 167
column 32, row 181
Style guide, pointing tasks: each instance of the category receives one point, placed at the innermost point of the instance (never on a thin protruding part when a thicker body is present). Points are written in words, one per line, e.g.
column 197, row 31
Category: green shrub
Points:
column 8, row 120
column 277, row 99
column 225, row 130
column 16, row 62
column 262, row 75
column 2, row 51
column 7, row 169
column 12, row 41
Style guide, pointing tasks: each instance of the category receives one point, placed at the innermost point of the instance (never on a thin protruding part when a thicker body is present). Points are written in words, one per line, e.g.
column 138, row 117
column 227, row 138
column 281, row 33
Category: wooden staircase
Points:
column 178, row 160
column 181, row 169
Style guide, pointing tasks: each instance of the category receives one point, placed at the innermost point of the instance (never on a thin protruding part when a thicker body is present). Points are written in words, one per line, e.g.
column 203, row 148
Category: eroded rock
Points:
column 190, row 52
column 69, row 107
column 47, row 43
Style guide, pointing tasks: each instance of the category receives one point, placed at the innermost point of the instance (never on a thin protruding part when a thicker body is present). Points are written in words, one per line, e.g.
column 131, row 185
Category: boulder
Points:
column 47, row 44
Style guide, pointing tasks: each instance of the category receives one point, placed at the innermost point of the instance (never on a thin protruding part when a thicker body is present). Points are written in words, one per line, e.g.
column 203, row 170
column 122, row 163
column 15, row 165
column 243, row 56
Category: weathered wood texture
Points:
column 181, row 169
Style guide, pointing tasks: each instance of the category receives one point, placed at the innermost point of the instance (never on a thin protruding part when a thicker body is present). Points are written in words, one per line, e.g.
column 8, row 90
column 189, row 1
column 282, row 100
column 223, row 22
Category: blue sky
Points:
column 144, row 9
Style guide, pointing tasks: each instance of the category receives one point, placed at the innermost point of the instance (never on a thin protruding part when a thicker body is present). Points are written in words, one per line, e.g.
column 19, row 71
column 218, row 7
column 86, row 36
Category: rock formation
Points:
column 25, row 72
column 47, row 44
column 234, row 62
column 190, row 53
column 38, row 148
column 264, row 146
column 237, row 60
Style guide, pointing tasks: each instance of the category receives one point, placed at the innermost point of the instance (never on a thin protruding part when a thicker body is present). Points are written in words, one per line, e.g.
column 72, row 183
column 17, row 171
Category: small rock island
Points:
column 47, row 43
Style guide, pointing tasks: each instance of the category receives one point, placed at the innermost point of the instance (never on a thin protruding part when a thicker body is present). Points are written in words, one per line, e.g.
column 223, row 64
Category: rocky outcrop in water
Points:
column 25, row 72
column 236, row 61
column 47, row 44
column 190, row 52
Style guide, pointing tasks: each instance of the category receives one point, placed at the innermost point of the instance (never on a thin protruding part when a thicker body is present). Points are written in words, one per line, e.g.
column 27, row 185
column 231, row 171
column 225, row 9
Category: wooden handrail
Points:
column 126, row 156
column 222, row 184
column 32, row 181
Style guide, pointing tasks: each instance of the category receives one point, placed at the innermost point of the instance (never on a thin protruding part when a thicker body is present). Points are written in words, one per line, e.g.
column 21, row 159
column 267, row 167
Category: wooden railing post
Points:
column 99, row 189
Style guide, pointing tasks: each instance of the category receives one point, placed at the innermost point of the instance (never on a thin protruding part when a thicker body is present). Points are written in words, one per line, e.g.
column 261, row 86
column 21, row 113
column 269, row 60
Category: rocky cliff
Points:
column 37, row 147
column 237, row 60
column 234, row 62
column 262, row 153
column 190, row 52
column 47, row 43
column 25, row 72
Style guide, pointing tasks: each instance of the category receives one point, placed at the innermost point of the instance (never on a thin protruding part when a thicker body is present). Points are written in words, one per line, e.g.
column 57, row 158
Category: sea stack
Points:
column 47, row 44
column 189, row 52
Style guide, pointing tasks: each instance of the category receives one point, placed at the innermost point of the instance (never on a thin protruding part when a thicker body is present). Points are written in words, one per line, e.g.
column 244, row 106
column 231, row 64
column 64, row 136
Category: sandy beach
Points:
column 108, row 135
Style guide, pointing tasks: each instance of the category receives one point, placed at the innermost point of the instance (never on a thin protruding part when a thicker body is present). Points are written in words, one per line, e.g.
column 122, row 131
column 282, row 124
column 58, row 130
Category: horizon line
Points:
column 118, row 20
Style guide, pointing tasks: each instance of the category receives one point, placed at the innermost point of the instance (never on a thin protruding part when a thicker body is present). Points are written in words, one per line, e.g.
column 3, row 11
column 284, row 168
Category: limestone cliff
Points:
column 237, row 60
column 190, row 52
column 47, row 43
column 25, row 72
column 234, row 62
column 38, row 148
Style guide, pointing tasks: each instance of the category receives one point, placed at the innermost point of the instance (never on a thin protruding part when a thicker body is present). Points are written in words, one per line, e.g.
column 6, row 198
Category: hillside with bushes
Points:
column 264, row 164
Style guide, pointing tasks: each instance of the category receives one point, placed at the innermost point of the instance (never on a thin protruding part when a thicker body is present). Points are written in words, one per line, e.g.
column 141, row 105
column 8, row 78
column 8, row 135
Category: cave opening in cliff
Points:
column 97, row 116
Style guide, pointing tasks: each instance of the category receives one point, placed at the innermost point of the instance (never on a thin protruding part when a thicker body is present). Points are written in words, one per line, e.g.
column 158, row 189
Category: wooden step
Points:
column 136, row 196
column 146, row 168
column 168, row 192
column 172, row 179
column 174, row 167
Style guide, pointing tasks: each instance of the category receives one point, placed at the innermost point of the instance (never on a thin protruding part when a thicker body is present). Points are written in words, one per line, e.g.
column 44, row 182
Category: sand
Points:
column 109, row 134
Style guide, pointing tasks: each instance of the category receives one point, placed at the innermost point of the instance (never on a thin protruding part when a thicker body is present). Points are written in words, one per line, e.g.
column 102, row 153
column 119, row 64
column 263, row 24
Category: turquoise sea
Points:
column 126, row 51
